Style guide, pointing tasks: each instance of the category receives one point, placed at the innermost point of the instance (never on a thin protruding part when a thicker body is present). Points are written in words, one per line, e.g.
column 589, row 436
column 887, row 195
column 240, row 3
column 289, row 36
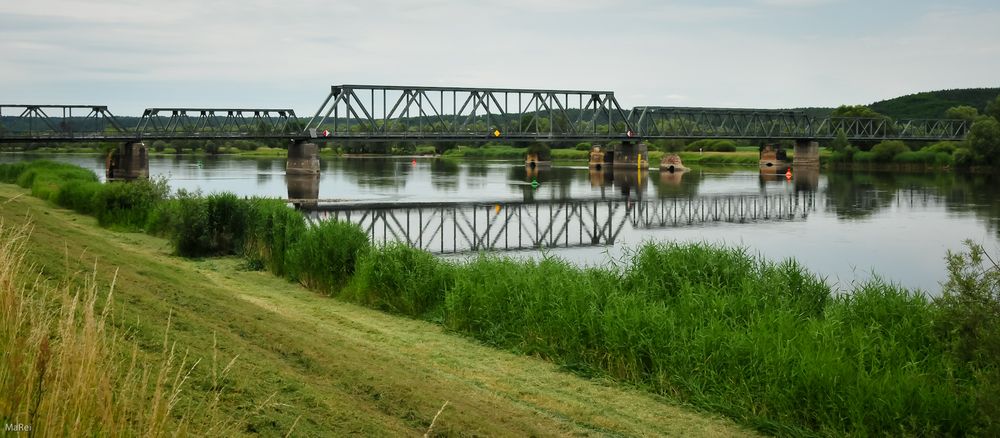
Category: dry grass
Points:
column 64, row 371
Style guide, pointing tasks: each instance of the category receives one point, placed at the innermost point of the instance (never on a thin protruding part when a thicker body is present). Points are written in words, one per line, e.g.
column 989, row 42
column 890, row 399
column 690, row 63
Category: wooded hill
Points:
column 933, row 104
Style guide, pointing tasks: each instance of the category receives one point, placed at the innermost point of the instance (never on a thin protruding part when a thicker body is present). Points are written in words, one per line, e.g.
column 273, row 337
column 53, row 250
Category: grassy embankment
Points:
column 302, row 362
column 766, row 344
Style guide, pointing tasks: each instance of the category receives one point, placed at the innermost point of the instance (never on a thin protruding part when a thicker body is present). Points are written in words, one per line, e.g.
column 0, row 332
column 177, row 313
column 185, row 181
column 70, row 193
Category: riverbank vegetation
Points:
column 765, row 343
column 981, row 148
column 305, row 364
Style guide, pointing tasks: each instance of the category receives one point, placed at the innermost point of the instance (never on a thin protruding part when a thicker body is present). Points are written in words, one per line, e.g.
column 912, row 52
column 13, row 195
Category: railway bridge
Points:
column 379, row 113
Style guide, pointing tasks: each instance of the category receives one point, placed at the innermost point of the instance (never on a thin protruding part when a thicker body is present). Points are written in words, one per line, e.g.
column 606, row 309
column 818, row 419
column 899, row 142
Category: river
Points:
column 844, row 226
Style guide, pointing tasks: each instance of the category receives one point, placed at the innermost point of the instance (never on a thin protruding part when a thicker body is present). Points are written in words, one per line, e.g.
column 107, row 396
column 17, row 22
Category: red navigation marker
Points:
column 326, row 132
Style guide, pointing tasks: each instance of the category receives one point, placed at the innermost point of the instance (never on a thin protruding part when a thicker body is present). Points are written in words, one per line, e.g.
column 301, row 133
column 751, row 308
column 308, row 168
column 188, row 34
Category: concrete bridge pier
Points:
column 127, row 162
column 630, row 155
column 806, row 153
column 303, row 158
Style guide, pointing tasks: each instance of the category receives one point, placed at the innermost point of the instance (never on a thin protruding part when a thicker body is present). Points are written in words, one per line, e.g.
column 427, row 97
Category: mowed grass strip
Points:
column 320, row 367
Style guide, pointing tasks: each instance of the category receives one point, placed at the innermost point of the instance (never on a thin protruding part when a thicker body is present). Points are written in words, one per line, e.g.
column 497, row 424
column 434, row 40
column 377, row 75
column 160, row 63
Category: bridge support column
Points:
column 806, row 153
column 127, row 162
column 303, row 158
column 632, row 156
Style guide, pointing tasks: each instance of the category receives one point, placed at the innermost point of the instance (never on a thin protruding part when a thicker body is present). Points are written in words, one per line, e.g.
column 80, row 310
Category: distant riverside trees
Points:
column 856, row 111
column 963, row 112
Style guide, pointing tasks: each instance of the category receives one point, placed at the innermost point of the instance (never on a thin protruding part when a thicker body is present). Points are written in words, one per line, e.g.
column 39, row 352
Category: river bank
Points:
column 764, row 343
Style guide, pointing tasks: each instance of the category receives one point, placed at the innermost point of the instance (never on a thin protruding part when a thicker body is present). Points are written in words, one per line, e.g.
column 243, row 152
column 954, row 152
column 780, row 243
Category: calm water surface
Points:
column 841, row 225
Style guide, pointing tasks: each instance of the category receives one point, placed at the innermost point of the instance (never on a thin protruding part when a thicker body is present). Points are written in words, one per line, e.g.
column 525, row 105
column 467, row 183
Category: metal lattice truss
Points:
column 58, row 123
column 505, row 226
column 654, row 122
column 221, row 123
column 380, row 113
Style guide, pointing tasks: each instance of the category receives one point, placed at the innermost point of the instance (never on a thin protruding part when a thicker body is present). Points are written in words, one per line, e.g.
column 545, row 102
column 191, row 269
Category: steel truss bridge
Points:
column 447, row 228
column 403, row 113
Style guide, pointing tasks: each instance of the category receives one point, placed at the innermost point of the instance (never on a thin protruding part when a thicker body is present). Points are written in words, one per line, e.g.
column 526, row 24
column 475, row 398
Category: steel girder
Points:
column 387, row 113
column 695, row 123
column 26, row 123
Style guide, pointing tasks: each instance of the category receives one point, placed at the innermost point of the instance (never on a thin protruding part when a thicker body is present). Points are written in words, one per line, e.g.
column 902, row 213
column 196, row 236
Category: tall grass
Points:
column 324, row 257
column 202, row 225
column 272, row 230
column 401, row 279
column 45, row 178
column 65, row 371
column 764, row 343
column 126, row 205
column 122, row 205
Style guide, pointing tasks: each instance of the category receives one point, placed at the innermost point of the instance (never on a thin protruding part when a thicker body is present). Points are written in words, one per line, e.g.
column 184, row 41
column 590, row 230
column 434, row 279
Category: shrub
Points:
column 963, row 157
column 583, row 146
column 325, row 256
column 943, row 146
column 202, row 226
column 886, row 150
column 970, row 325
column 128, row 204
column 79, row 197
column 401, row 279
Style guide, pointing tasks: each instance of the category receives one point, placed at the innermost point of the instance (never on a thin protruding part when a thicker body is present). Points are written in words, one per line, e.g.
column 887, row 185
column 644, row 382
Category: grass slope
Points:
column 321, row 367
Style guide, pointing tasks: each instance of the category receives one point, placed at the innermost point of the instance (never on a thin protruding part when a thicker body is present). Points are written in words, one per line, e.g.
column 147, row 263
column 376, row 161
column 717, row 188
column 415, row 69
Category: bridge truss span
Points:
column 653, row 122
column 380, row 112
column 217, row 123
column 52, row 123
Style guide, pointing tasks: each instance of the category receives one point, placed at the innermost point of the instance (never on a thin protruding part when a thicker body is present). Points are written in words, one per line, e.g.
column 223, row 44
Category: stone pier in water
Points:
column 127, row 162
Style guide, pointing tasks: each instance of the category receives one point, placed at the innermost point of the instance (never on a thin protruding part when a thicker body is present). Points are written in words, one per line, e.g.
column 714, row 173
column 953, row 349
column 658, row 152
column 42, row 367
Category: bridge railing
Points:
column 376, row 112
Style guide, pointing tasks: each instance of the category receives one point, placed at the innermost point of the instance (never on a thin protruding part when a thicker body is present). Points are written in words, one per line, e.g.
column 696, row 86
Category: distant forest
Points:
column 933, row 104
column 925, row 105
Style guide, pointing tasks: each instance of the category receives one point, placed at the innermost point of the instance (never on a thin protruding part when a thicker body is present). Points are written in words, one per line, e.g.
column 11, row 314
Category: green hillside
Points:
column 933, row 104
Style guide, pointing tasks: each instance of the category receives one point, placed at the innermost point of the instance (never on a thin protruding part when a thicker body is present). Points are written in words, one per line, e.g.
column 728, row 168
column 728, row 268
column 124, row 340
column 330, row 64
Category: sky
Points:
column 134, row 54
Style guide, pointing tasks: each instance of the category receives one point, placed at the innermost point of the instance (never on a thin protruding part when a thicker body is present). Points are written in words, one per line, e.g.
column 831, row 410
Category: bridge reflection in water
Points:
column 457, row 227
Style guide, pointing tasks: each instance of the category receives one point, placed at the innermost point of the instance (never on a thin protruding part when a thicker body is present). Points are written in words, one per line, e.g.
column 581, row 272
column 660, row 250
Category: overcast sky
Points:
column 133, row 54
